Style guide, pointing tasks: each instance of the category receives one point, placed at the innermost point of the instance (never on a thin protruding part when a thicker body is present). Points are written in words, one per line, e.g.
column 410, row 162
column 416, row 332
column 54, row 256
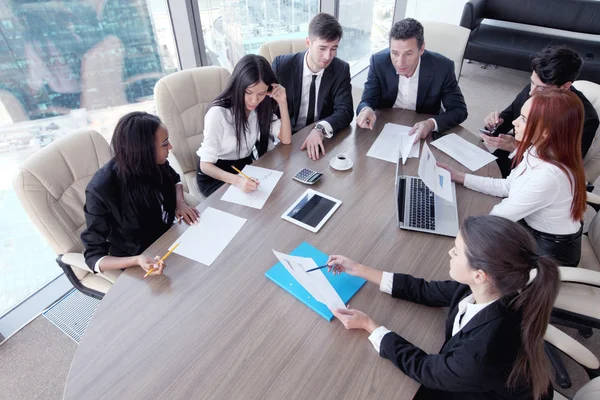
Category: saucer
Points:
column 332, row 165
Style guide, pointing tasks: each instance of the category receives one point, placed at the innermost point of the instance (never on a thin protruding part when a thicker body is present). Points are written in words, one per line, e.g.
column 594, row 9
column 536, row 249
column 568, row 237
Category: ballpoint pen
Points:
column 322, row 266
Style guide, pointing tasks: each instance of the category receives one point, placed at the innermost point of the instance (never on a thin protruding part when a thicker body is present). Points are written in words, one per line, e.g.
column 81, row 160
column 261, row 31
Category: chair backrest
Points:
column 274, row 48
column 181, row 102
column 447, row 39
column 15, row 110
column 590, row 391
column 51, row 186
column 591, row 162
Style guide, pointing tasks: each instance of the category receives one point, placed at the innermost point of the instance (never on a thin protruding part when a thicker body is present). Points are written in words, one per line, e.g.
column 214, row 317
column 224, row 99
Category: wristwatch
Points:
column 321, row 127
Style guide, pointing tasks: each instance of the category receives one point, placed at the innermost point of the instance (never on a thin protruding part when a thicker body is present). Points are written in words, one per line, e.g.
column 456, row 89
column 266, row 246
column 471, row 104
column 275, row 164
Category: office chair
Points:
column 590, row 391
column 447, row 39
column 182, row 99
column 274, row 48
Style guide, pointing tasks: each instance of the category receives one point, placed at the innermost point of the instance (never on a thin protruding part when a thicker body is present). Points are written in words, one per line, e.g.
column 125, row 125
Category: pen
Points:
column 162, row 259
column 322, row 266
column 244, row 175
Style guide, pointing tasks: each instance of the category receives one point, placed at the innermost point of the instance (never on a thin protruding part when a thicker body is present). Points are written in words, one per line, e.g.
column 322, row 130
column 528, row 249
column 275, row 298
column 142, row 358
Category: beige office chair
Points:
column 447, row 39
column 181, row 102
column 591, row 162
column 274, row 48
column 51, row 187
column 590, row 391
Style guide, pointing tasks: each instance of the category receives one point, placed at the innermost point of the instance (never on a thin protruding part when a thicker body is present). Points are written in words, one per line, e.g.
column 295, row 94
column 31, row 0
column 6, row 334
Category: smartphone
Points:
column 486, row 132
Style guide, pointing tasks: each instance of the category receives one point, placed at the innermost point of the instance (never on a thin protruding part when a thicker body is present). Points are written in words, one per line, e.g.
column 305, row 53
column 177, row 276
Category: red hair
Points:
column 554, row 128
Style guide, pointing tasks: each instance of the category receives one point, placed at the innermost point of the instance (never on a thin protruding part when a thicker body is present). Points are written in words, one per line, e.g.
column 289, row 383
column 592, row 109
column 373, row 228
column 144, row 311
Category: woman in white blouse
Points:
column 241, row 125
column 546, row 191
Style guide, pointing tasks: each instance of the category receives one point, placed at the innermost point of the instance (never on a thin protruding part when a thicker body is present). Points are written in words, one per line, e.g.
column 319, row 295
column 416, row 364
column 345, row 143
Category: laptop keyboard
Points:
column 422, row 206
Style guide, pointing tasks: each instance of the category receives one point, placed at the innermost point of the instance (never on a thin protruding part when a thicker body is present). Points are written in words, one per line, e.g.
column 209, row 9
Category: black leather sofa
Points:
column 514, row 48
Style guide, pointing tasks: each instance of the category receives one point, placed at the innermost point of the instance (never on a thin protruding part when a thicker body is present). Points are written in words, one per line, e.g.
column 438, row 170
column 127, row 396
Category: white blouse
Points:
column 220, row 141
column 536, row 191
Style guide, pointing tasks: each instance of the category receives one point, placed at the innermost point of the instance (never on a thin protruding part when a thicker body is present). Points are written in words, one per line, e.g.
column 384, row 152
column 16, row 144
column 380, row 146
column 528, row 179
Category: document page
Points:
column 314, row 282
column 464, row 152
column 268, row 179
column 392, row 139
column 206, row 240
column 437, row 179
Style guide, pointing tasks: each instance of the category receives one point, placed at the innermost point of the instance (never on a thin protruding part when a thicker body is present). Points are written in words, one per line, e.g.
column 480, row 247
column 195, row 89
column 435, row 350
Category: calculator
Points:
column 307, row 176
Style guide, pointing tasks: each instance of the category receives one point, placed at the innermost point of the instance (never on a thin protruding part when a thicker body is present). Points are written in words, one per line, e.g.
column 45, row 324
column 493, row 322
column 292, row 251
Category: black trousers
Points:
column 208, row 184
column 565, row 249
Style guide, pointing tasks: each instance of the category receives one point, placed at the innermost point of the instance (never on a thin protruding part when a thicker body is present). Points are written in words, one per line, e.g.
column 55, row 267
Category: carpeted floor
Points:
column 35, row 362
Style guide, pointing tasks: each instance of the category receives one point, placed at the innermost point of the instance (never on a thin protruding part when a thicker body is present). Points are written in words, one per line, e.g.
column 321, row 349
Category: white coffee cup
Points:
column 342, row 161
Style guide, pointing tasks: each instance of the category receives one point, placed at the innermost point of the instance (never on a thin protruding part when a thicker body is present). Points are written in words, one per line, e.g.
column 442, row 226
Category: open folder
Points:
column 345, row 285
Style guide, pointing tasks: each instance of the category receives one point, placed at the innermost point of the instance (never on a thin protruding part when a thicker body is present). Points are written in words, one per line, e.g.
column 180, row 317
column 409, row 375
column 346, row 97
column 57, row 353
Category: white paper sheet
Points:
column 268, row 179
column 464, row 152
column 206, row 240
column 388, row 144
column 314, row 282
column 437, row 179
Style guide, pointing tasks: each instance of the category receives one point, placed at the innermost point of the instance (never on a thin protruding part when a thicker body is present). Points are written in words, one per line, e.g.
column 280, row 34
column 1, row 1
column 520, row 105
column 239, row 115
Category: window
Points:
column 67, row 65
column 366, row 24
column 234, row 28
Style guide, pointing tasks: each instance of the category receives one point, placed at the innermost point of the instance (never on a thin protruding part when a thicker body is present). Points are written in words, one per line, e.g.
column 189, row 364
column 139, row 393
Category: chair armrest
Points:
column 473, row 14
column 190, row 200
column 580, row 275
column 76, row 260
column 571, row 347
column 592, row 198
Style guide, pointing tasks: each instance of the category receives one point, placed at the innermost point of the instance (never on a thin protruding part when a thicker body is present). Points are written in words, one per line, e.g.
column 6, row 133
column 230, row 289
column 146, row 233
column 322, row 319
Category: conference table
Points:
column 228, row 332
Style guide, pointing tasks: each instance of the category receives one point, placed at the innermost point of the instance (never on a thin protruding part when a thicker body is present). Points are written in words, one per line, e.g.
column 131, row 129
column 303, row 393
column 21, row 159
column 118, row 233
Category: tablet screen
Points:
column 311, row 209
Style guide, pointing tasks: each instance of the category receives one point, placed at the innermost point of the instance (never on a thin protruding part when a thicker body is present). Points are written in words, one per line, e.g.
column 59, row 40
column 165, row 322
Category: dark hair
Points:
column 554, row 127
column 508, row 266
column 408, row 28
column 142, row 180
column 326, row 27
column 250, row 70
column 557, row 65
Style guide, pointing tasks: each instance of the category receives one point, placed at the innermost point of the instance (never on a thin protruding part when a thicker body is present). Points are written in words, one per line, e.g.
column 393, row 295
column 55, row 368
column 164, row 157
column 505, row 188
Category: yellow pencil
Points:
column 163, row 258
column 244, row 175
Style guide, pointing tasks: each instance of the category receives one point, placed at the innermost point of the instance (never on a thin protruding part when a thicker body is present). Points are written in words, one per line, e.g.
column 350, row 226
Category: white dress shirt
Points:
column 305, row 96
column 536, row 191
column 408, row 88
column 220, row 141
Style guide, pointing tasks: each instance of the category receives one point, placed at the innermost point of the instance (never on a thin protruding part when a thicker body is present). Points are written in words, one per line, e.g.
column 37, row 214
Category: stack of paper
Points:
column 393, row 141
column 464, row 152
column 268, row 178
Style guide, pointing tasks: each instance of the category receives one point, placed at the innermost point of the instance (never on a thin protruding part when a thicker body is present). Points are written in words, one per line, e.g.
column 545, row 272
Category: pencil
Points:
column 163, row 258
column 243, row 174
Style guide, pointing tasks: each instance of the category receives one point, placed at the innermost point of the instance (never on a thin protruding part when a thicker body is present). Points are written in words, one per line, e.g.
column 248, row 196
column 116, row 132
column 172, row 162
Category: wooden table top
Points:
column 228, row 332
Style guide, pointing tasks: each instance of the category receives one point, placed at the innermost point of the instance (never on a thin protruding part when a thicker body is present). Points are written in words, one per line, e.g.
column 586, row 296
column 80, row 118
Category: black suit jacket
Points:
column 113, row 228
column 437, row 86
column 334, row 100
column 473, row 364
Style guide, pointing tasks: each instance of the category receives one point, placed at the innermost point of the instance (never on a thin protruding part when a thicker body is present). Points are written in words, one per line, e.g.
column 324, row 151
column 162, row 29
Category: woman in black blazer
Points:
column 497, row 316
column 134, row 198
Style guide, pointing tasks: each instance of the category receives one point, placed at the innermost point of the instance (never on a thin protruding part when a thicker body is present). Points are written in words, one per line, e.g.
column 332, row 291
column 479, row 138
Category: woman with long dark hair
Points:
column 498, row 313
column 134, row 198
column 241, row 125
column 546, row 191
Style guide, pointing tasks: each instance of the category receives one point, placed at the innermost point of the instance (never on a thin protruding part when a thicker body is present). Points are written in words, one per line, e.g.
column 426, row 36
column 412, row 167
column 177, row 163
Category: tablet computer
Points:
column 311, row 210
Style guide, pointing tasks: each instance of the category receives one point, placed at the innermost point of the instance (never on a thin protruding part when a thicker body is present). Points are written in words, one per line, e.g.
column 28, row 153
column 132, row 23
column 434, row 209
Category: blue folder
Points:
column 345, row 285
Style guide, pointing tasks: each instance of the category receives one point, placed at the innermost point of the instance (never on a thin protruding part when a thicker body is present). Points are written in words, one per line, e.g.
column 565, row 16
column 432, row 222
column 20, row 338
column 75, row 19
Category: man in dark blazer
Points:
column 318, row 84
column 407, row 76
column 555, row 67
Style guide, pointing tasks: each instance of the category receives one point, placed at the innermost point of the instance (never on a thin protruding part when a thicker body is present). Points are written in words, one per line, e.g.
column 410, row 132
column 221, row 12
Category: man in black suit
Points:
column 318, row 84
column 555, row 67
column 410, row 77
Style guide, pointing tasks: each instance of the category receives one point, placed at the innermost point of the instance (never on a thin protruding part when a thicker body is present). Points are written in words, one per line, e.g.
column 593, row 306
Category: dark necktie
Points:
column 310, row 115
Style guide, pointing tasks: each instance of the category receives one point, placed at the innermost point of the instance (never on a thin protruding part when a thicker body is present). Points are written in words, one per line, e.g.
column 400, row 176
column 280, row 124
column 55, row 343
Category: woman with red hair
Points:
column 546, row 191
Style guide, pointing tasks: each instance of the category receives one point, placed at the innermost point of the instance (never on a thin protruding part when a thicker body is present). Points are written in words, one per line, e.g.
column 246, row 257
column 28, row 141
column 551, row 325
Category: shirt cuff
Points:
column 97, row 265
column 377, row 336
column 435, row 129
column 513, row 154
column 387, row 282
column 327, row 127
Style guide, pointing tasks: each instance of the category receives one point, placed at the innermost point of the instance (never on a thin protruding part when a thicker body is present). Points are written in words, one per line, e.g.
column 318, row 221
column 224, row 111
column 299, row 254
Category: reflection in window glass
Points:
column 67, row 65
column 235, row 28
column 366, row 24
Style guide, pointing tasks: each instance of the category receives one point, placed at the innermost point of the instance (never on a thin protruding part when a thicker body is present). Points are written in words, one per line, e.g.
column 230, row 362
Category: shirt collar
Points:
column 414, row 76
column 306, row 71
column 469, row 303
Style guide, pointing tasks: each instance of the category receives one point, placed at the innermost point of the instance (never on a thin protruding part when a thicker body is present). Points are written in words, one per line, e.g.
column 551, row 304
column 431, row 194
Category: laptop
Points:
column 419, row 209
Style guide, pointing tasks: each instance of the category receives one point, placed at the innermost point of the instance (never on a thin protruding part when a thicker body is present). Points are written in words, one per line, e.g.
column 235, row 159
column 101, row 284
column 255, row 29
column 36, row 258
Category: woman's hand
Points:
column 456, row 176
column 189, row 214
column 354, row 319
column 341, row 264
column 246, row 185
column 148, row 263
column 278, row 94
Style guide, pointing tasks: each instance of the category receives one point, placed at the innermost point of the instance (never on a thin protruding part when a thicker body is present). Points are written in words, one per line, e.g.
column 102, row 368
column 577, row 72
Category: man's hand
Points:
column 422, row 129
column 503, row 142
column 313, row 143
column 492, row 120
column 366, row 118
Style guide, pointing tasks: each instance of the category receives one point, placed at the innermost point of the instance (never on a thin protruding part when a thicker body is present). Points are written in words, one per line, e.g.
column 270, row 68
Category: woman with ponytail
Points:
column 499, row 309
